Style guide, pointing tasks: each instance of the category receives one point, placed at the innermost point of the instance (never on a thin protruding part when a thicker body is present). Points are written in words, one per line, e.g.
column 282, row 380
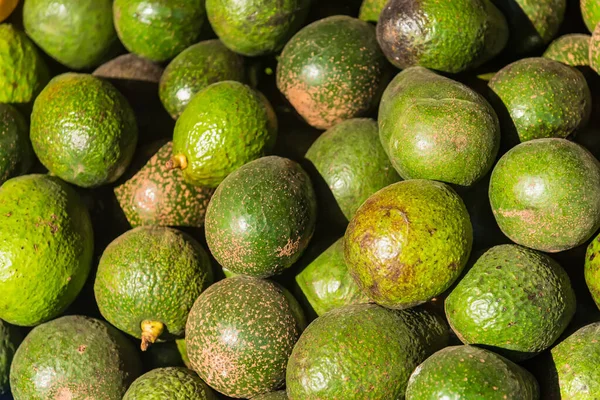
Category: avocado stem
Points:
column 151, row 330
column 177, row 161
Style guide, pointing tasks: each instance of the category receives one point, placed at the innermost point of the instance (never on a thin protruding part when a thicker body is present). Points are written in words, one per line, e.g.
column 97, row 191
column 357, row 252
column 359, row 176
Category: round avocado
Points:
column 226, row 125
column 10, row 338
column 590, row 10
column 592, row 269
column 169, row 383
column 408, row 242
column 541, row 98
column 147, row 282
column 130, row 67
column 572, row 50
column 333, row 70
column 83, row 130
column 16, row 154
column 595, row 50
column 545, row 194
column 77, row 33
column 362, row 351
column 446, row 36
column 371, row 9
column 240, row 334
column 158, row 29
column 74, row 357
column 194, row 69
column 6, row 8
column 261, row 217
column 46, row 240
column 256, row 27
column 278, row 395
column 435, row 128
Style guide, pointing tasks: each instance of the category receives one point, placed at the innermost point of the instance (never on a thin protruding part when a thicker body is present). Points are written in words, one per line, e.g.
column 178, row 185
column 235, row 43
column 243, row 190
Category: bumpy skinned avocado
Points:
column 408, row 242
column 333, row 70
column 75, row 357
column 16, row 155
column 590, row 10
column 371, row 9
column 446, row 36
column 278, row 395
column 262, row 217
column 10, row 338
column 169, row 383
column 432, row 127
column 377, row 347
column 545, row 194
column 47, row 241
column 572, row 49
column 592, row 269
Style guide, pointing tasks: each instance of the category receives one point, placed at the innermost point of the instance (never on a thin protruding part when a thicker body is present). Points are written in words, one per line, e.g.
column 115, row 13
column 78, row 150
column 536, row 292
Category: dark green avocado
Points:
column 16, row 154
column 10, row 338
column 572, row 49
column 169, row 383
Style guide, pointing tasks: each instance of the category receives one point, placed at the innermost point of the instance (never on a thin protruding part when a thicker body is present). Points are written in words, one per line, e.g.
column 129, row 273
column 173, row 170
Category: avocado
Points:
column 432, row 127
column 226, row 125
column 166, row 354
column 445, row 36
column 16, row 154
column 333, row 70
column 240, row 334
column 595, row 50
column 83, row 130
column 572, row 50
column 363, row 351
column 371, row 9
column 261, row 217
column 169, row 383
column 408, row 242
column 46, row 240
column 590, row 10
column 10, row 338
column 158, row 29
column 148, row 279
column 278, row 395
column 77, row 33
column 468, row 372
column 592, row 269
column 130, row 67
column 194, row 69
column 545, row 194
column 6, row 8
column 541, row 98
column 74, row 357
column 256, row 27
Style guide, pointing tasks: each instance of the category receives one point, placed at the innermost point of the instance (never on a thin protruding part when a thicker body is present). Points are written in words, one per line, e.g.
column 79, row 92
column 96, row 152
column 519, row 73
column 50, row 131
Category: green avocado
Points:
column 256, row 27
column 408, row 242
column 16, row 154
column 10, row 338
column 158, row 29
column 333, row 70
column 74, row 357
column 226, row 125
column 194, row 69
column 590, row 10
column 147, row 282
column 371, row 9
column 432, row 127
column 278, row 395
column 77, row 33
column 46, row 242
column 83, row 130
column 572, row 50
column 468, row 372
column 169, row 383
column 595, row 50
column 545, row 194
column 446, row 36
column 592, row 269
column 541, row 98
column 261, row 217
column 362, row 351
column 240, row 334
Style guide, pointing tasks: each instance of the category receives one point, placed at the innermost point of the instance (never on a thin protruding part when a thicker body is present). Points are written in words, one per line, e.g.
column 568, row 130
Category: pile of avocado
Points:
column 299, row 199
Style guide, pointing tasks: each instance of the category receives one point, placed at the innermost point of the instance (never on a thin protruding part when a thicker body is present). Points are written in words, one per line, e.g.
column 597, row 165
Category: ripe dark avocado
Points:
column 545, row 194
column 148, row 279
column 371, row 9
column 590, row 10
column 240, row 334
column 279, row 395
column 169, row 383
column 16, row 154
column 46, row 240
column 333, row 70
column 445, row 36
column 261, row 217
column 256, row 27
column 572, row 49
column 362, row 351
column 10, row 338
column 435, row 128
column 83, row 130
column 592, row 269
column 74, row 357
column 468, row 372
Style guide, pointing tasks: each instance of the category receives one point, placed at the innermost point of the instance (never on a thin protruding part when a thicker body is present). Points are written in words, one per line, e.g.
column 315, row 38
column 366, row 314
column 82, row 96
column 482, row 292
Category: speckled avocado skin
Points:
column 468, row 372
column 515, row 300
column 46, row 239
column 595, row 50
column 261, row 217
column 432, row 127
column 10, row 338
column 77, row 33
column 408, row 242
column 371, row 9
column 240, row 334
column 333, row 70
column 194, row 69
column 572, row 49
column 278, row 395
column 74, row 357
column 446, row 36
column 362, row 352
column 545, row 194
column 16, row 154
column 590, row 10
column 130, row 67
column 158, row 29
column 83, row 130
column 169, row 383
column 592, row 269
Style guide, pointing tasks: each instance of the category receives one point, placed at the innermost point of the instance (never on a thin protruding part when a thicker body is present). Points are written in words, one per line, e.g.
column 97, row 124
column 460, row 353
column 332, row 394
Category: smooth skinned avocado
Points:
column 572, row 49
column 169, row 383
column 16, row 154
column 10, row 338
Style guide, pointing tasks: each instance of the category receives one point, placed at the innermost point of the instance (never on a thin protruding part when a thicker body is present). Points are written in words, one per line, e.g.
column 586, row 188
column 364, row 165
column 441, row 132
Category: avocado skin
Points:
column 590, row 10
column 10, row 338
column 74, row 357
column 129, row 67
column 169, row 383
column 545, row 194
column 371, row 9
column 592, row 269
column 377, row 347
column 16, row 154
column 572, row 50
column 468, row 372
column 279, row 395
column 595, row 50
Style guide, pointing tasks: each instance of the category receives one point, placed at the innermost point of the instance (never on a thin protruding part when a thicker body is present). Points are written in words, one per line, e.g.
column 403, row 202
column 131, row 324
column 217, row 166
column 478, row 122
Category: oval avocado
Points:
column 16, row 154
column 572, row 50
column 10, row 338
column 590, row 11
column 169, row 383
